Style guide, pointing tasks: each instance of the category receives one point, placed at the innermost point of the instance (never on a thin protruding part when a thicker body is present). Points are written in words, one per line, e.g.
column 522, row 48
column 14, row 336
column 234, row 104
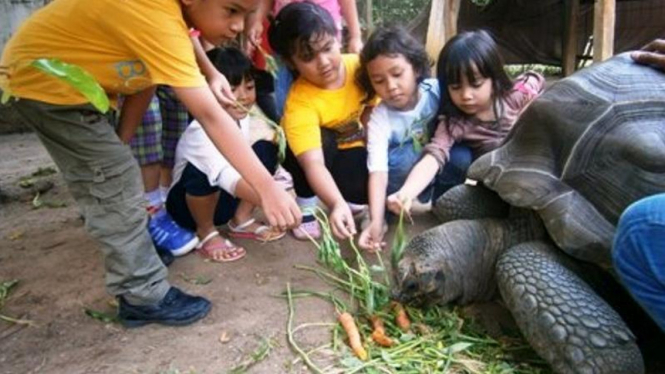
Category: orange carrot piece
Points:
column 379, row 333
column 351, row 330
column 401, row 318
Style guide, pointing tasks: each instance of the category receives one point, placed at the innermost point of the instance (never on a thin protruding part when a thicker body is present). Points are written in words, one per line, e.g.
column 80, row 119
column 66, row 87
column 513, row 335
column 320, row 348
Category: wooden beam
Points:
column 435, row 29
column 451, row 16
column 603, row 29
column 442, row 25
column 572, row 11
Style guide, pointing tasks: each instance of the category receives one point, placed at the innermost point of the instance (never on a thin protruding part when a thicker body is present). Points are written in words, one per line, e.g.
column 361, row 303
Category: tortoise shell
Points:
column 589, row 146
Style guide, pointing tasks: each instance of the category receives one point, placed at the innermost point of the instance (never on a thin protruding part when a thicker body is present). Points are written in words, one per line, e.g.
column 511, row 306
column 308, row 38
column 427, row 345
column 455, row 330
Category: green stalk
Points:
column 289, row 334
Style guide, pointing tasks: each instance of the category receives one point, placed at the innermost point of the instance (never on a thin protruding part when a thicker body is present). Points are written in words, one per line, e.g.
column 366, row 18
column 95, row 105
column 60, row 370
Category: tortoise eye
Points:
column 410, row 286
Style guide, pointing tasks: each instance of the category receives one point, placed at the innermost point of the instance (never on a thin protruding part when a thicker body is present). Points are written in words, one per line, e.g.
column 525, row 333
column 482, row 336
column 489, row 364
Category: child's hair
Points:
column 392, row 41
column 231, row 62
column 458, row 57
column 293, row 29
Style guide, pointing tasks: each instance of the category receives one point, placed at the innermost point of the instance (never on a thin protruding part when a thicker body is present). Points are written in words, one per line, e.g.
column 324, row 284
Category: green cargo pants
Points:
column 105, row 180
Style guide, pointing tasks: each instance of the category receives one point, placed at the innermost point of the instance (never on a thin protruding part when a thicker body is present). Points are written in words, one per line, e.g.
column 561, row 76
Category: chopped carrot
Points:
column 351, row 330
column 401, row 318
column 379, row 333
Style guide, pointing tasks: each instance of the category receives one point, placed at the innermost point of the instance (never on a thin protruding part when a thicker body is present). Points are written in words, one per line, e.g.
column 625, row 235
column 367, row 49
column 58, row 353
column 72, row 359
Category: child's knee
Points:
column 267, row 153
column 460, row 157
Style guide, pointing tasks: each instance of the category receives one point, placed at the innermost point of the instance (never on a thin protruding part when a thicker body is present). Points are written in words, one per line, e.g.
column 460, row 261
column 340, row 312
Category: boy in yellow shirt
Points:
column 129, row 47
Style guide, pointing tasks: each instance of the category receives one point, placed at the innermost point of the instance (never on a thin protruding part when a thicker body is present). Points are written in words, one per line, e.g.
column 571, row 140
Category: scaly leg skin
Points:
column 565, row 322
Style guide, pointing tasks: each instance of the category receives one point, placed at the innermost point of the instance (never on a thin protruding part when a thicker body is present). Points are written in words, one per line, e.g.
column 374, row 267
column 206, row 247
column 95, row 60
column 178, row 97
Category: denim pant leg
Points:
column 105, row 181
column 454, row 172
column 283, row 83
column 639, row 254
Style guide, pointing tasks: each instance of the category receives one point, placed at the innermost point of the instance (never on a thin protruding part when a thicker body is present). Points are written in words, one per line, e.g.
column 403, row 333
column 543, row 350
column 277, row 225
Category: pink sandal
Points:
column 230, row 252
column 262, row 233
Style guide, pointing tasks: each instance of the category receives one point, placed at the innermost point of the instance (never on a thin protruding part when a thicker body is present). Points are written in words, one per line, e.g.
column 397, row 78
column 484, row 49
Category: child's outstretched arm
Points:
column 419, row 178
column 324, row 186
column 279, row 208
column 371, row 237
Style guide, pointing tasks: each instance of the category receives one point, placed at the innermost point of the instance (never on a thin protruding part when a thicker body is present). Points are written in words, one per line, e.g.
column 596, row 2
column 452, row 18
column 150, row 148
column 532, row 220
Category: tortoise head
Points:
column 422, row 277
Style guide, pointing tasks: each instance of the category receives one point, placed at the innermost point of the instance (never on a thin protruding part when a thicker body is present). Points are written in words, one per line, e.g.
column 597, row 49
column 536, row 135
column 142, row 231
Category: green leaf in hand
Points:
column 78, row 78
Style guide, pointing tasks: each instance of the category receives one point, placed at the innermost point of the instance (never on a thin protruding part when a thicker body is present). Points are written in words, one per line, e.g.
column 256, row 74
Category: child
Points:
column 479, row 106
column 326, row 155
column 128, row 52
column 340, row 10
column 396, row 67
column 204, row 183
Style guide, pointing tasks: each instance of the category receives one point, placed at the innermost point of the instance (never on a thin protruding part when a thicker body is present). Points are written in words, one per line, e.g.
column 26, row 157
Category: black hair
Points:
column 458, row 57
column 231, row 62
column 392, row 41
column 296, row 27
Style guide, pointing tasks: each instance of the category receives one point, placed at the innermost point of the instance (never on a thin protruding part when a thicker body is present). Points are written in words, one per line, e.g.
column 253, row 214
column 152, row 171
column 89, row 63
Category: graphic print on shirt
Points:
column 134, row 75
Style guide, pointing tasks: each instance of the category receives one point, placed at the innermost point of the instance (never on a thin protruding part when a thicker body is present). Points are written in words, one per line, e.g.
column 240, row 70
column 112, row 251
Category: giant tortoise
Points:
column 546, row 205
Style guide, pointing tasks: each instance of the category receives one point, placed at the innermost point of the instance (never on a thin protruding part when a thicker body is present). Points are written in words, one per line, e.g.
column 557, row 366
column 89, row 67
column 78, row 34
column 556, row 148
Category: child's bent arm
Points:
column 132, row 112
column 420, row 177
column 280, row 209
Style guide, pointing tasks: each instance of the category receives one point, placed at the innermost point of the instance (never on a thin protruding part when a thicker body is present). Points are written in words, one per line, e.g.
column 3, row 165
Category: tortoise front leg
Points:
column 578, row 228
column 565, row 322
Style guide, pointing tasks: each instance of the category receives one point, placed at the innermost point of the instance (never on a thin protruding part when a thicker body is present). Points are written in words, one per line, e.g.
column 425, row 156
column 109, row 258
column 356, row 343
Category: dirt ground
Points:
column 60, row 273
column 59, row 268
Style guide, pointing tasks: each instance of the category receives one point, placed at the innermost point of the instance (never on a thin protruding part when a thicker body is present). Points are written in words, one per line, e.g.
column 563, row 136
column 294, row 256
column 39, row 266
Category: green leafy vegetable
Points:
column 78, row 78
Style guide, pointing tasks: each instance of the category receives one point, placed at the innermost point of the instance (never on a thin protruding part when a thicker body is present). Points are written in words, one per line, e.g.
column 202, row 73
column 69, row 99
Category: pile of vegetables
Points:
column 376, row 335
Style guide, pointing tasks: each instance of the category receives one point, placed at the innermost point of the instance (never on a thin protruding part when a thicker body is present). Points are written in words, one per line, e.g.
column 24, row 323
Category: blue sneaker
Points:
column 168, row 236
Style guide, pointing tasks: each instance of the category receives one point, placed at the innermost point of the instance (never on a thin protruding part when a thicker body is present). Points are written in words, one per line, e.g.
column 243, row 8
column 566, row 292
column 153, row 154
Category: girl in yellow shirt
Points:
column 327, row 156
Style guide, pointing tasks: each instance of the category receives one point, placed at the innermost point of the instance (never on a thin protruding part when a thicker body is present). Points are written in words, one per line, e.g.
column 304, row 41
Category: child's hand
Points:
column 221, row 88
column 279, row 208
column 652, row 54
column 341, row 220
column 371, row 239
column 398, row 202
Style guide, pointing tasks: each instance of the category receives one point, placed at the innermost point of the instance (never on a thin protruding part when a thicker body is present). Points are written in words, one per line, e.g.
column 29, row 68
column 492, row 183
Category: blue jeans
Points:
column 402, row 159
column 639, row 254
column 283, row 83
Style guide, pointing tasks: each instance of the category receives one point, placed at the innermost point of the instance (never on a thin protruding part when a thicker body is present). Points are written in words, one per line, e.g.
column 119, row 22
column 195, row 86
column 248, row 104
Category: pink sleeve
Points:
column 440, row 144
column 527, row 87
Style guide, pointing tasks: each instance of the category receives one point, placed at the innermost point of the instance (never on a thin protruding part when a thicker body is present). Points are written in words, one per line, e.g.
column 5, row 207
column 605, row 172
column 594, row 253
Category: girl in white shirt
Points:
column 395, row 67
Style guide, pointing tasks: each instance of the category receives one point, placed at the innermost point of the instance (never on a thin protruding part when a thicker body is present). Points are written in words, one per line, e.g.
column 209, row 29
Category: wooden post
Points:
column 442, row 25
column 572, row 10
column 603, row 29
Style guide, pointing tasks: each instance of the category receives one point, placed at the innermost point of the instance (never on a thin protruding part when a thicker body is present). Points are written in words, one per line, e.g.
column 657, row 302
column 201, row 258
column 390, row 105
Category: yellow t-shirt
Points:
column 127, row 46
column 308, row 108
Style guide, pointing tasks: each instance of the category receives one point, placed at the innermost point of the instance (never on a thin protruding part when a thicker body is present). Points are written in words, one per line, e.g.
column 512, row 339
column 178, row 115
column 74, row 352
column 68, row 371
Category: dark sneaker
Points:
column 168, row 236
column 176, row 309
column 166, row 257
